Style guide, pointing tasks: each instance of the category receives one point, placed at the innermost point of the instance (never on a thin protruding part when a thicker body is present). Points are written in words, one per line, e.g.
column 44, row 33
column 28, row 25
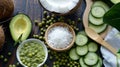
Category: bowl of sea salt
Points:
column 60, row 36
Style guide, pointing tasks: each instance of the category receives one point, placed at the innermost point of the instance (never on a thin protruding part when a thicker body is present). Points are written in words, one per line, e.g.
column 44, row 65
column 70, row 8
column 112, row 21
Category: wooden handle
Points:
column 86, row 12
column 109, row 47
column 106, row 45
column 97, row 38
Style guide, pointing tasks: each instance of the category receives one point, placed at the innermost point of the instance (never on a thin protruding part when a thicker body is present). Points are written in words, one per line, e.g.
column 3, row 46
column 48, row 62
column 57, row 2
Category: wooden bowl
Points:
column 62, row 24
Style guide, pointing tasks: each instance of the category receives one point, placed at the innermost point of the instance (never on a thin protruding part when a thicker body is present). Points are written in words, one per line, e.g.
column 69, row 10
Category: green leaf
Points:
column 112, row 17
column 118, row 51
column 18, row 40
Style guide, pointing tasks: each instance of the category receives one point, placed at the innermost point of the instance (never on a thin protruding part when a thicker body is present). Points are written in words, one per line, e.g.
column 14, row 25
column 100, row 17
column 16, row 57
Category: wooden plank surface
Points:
column 34, row 10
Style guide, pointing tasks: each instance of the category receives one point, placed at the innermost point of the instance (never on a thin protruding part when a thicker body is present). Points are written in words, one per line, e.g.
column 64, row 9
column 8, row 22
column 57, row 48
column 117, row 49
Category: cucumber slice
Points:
column 100, row 60
column 82, row 32
column 82, row 63
column 94, row 20
column 99, row 63
column 82, row 50
column 102, row 4
column 92, row 47
column 98, row 29
column 73, row 55
column 81, row 40
column 115, row 1
column 91, row 58
column 98, row 11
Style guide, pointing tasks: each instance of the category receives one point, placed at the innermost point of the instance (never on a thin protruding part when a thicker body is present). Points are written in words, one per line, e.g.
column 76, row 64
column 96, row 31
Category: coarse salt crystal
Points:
column 59, row 37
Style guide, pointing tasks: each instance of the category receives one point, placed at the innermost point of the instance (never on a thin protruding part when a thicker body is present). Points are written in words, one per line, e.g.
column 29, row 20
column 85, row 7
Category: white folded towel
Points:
column 113, row 38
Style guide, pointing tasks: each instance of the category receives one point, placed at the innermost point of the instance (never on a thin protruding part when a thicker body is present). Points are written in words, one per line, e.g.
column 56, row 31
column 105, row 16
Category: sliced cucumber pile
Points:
column 85, row 53
column 98, row 9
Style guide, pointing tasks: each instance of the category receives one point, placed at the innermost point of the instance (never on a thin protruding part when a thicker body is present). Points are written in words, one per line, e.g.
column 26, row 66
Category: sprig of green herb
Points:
column 18, row 40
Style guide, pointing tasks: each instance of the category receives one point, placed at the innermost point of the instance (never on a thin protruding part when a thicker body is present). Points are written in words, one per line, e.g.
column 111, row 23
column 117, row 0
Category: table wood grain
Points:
column 33, row 9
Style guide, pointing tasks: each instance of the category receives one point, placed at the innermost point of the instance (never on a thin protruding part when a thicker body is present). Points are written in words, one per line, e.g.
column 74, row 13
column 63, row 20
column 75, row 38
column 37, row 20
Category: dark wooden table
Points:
column 34, row 10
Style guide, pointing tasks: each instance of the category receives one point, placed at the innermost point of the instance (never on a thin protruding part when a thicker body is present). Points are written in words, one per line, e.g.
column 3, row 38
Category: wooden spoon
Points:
column 91, row 33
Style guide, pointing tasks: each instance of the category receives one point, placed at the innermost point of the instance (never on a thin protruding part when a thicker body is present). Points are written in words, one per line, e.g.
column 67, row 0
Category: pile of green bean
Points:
column 32, row 54
column 4, row 58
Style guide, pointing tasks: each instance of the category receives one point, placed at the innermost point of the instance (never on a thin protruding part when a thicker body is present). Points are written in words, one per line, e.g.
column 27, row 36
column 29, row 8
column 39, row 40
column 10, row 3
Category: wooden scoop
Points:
column 91, row 33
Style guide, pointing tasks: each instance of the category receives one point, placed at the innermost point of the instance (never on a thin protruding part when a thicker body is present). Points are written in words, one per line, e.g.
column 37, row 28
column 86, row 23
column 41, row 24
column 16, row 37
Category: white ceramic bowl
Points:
column 34, row 40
